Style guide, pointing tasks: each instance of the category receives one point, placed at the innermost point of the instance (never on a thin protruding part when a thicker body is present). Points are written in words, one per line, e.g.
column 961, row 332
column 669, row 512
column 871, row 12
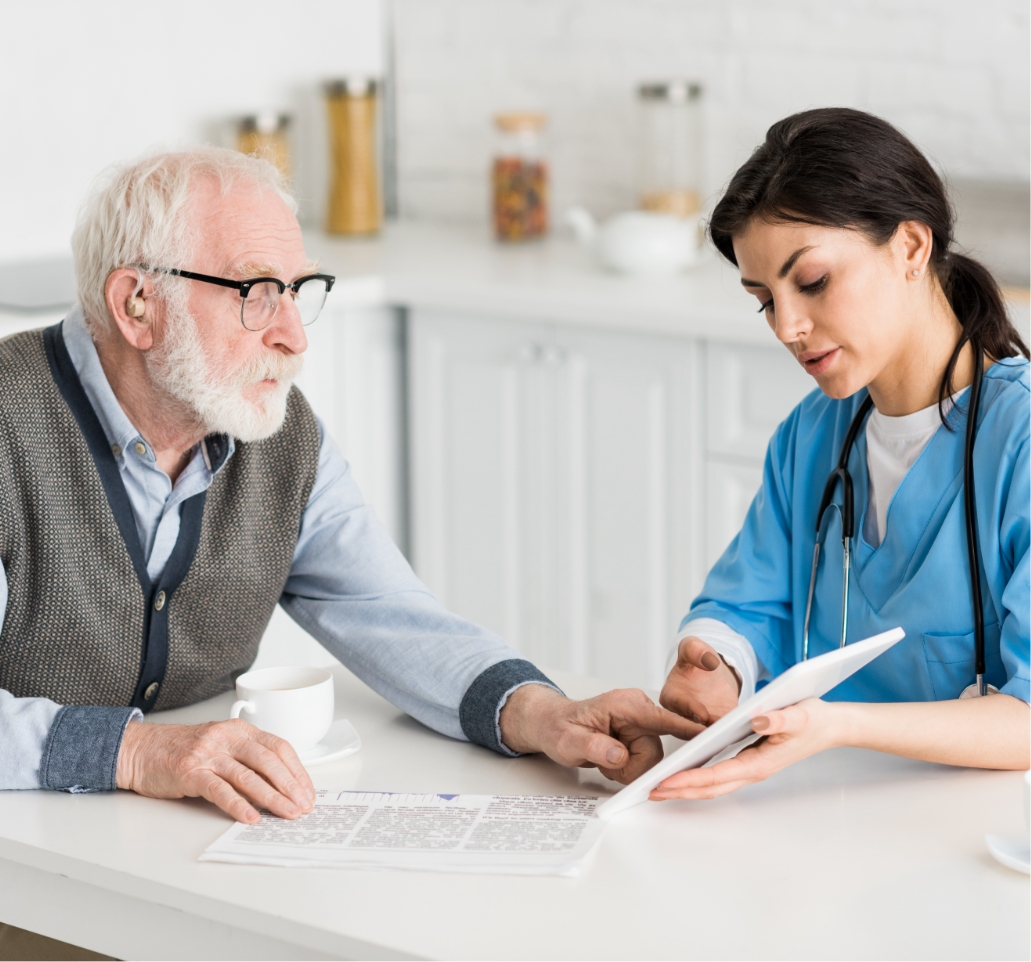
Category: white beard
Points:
column 182, row 369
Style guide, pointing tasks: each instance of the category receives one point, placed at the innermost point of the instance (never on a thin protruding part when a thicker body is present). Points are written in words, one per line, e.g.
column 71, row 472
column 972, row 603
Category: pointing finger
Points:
column 661, row 721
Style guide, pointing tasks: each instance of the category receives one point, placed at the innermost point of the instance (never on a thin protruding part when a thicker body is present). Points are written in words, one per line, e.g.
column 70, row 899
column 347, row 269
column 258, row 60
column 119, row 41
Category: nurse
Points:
column 843, row 232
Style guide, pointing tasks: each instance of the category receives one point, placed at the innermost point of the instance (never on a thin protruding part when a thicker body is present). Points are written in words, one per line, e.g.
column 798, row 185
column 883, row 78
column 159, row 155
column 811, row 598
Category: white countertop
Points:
column 850, row 854
column 463, row 269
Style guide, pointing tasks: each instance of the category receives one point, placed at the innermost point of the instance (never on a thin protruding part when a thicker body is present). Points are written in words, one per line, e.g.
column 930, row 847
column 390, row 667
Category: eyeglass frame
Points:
column 244, row 287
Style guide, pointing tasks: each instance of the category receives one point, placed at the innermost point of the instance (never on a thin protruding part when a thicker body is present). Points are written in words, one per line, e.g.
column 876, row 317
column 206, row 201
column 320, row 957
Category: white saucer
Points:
column 1014, row 851
column 339, row 741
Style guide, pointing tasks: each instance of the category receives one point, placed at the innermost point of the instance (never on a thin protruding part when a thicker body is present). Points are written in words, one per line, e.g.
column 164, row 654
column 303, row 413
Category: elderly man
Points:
column 163, row 487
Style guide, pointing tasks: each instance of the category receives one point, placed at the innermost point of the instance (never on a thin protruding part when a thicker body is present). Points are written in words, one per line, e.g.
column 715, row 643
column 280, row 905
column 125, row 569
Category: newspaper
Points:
column 506, row 834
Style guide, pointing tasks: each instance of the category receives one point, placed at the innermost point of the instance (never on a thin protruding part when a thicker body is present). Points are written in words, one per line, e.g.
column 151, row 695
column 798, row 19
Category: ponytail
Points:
column 838, row 167
column 977, row 302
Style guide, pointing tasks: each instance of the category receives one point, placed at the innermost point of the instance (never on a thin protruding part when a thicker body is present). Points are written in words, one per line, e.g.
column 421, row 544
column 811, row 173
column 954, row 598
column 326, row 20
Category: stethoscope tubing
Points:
column 970, row 512
column 847, row 513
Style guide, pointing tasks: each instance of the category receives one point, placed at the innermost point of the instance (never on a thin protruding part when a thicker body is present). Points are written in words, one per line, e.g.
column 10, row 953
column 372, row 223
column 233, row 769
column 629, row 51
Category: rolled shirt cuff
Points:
column 480, row 710
column 81, row 750
column 735, row 649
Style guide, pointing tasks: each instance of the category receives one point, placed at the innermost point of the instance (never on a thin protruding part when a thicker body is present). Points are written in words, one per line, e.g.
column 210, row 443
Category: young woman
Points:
column 843, row 232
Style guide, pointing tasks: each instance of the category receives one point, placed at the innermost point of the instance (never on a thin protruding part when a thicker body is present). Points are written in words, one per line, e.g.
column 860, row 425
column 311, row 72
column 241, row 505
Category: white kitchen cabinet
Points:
column 554, row 491
column 749, row 391
column 729, row 490
column 353, row 377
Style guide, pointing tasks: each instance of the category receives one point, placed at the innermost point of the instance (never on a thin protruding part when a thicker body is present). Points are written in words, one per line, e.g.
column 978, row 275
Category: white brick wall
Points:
column 954, row 74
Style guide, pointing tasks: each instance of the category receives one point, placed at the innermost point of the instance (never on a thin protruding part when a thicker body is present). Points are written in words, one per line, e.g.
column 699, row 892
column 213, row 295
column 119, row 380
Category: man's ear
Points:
column 131, row 307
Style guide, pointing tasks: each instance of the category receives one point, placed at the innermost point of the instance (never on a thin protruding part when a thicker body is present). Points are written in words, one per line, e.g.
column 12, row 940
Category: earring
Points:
column 135, row 306
column 916, row 273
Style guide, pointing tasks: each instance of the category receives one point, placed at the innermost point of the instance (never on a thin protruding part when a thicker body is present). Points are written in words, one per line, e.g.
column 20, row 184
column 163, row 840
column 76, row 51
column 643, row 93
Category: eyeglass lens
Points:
column 261, row 304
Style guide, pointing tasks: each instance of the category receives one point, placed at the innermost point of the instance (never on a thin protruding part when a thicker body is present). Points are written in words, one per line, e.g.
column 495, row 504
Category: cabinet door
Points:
column 729, row 490
column 749, row 391
column 629, row 452
column 483, row 460
column 353, row 377
column 554, row 493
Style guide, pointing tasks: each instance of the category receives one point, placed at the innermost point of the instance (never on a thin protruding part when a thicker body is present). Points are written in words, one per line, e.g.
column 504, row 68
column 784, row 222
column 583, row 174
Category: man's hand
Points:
column 226, row 762
column 617, row 732
column 701, row 685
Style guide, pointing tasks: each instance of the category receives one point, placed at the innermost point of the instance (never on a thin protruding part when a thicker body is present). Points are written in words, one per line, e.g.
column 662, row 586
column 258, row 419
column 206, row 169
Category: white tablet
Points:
column 807, row 679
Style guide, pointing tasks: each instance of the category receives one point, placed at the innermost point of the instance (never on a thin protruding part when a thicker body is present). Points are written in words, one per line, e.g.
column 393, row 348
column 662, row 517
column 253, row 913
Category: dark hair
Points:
column 837, row 167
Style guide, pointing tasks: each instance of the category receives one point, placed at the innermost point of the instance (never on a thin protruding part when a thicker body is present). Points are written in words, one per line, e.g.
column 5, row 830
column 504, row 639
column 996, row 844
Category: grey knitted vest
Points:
column 84, row 624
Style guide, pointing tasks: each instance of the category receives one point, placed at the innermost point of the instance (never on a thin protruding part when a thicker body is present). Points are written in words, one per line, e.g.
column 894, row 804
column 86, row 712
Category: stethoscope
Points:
column 847, row 513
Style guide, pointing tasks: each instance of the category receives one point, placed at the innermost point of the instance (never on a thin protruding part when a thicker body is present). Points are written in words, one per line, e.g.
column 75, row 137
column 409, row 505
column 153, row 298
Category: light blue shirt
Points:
column 349, row 585
column 917, row 577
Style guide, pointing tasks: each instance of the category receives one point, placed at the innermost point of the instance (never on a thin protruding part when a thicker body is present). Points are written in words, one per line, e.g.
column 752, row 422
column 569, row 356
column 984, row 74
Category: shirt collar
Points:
column 119, row 430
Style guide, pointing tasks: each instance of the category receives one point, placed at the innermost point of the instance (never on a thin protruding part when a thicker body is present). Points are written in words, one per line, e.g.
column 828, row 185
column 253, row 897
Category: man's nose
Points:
column 286, row 330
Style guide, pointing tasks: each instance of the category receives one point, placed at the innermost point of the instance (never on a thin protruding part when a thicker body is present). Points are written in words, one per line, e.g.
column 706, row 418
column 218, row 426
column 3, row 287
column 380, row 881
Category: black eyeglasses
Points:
column 260, row 297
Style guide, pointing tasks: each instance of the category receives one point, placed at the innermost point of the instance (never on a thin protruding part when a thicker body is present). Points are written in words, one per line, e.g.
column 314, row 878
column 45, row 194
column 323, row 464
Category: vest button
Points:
column 159, row 601
column 150, row 691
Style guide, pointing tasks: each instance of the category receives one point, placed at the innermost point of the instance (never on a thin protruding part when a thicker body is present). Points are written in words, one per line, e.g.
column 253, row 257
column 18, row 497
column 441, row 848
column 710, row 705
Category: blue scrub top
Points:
column 919, row 575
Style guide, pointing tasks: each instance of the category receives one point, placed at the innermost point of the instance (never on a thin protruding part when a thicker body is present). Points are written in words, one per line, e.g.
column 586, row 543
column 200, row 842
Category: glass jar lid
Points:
column 673, row 91
column 356, row 86
column 264, row 123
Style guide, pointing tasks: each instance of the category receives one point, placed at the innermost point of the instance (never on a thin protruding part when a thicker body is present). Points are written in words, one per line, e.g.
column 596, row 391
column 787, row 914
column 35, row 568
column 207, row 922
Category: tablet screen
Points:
column 807, row 679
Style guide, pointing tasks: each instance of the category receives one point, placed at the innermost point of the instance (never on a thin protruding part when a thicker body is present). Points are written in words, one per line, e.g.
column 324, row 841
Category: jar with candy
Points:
column 520, row 177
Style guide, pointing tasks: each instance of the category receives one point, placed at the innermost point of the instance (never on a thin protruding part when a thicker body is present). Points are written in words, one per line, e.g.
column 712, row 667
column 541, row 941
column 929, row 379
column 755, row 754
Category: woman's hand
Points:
column 791, row 734
column 701, row 686
column 990, row 732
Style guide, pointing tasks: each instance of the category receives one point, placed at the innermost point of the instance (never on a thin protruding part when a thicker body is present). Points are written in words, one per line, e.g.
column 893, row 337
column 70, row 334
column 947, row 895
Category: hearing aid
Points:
column 135, row 306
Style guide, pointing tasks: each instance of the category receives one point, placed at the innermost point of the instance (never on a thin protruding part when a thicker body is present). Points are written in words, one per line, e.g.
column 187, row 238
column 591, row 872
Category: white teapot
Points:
column 640, row 242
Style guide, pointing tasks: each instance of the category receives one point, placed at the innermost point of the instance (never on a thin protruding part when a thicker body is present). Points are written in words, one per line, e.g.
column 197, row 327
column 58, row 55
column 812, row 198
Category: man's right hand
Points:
column 230, row 763
column 701, row 685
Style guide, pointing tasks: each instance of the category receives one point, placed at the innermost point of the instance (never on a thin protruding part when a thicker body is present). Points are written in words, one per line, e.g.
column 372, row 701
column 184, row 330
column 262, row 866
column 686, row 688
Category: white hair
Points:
column 139, row 214
column 212, row 391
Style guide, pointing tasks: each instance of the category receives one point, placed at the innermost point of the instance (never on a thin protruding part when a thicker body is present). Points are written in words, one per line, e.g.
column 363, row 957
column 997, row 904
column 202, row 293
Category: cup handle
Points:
column 239, row 706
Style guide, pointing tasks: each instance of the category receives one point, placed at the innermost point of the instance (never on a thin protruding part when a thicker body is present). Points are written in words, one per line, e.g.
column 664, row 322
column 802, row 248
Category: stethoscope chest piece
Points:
column 973, row 691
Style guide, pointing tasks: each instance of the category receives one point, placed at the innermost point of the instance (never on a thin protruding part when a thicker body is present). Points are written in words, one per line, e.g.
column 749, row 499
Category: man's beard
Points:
column 181, row 369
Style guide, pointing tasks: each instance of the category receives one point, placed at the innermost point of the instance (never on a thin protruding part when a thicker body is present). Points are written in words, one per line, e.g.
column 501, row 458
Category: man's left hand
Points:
column 617, row 732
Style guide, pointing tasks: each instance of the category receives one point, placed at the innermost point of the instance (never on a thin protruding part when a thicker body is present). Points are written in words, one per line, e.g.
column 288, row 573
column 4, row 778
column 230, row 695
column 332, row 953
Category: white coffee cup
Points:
column 293, row 703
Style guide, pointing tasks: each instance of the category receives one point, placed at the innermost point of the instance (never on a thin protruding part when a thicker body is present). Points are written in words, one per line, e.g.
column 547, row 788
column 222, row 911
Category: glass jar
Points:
column 354, row 200
column 520, row 177
column 670, row 147
column 264, row 135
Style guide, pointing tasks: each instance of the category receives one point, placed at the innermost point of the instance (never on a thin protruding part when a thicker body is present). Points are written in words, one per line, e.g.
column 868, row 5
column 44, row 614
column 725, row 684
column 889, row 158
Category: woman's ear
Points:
column 914, row 241
column 127, row 292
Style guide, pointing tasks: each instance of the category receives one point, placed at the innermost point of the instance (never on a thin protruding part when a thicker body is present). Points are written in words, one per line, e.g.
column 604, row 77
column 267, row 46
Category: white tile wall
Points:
column 84, row 85
column 954, row 74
